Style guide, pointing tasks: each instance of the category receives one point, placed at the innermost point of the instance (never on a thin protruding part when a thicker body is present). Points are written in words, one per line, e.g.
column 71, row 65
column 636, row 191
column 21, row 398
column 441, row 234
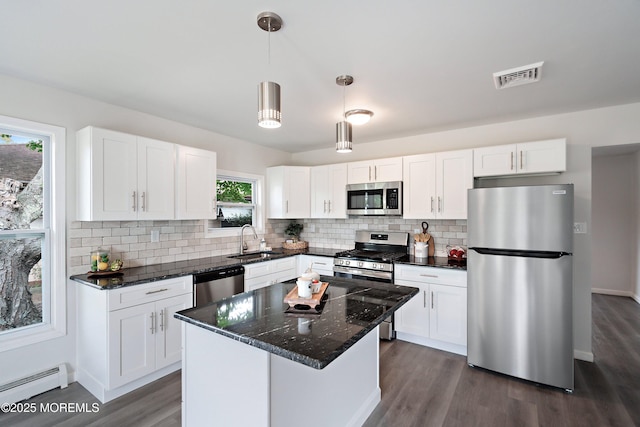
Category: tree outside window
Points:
column 22, row 231
column 235, row 203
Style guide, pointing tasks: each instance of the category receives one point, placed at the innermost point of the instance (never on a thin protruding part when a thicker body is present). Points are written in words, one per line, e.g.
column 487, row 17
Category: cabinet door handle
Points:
column 329, row 204
column 161, row 320
column 431, row 300
column 134, row 201
column 521, row 162
column 424, row 299
column 156, row 291
column 375, row 173
column 431, row 204
column 153, row 320
column 439, row 204
column 144, row 196
column 319, row 263
column 369, row 173
column 511, row 157
column 429, row 275
column 286, row 204
column 325, row 207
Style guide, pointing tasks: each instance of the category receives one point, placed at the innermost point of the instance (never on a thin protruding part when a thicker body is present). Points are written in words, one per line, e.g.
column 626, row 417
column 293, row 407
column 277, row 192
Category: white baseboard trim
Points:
column 366, row 409
column 636, row 298
column 587, row 356
column 612, row 292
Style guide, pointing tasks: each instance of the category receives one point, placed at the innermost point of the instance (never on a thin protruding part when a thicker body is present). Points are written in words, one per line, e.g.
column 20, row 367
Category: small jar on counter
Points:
column 100, row 260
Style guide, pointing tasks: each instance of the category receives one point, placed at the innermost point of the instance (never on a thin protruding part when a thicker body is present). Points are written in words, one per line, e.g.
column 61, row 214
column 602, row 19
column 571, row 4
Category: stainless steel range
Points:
column 372, row 259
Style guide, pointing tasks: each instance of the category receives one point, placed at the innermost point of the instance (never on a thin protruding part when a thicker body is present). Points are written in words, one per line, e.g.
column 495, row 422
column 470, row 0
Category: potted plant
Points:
column 293, row 230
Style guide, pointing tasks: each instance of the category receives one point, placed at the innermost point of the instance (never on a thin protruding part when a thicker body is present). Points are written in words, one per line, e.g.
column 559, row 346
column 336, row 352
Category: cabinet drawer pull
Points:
column 521, row 162
column 435, row 276
column 153, row 319
column 157, row 291
column 320, row 263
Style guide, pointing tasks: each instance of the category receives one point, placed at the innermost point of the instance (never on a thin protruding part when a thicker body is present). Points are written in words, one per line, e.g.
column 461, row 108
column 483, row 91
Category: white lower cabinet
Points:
column 322, row 265
column 437, row 315
column 267, row 273
column 128, row 337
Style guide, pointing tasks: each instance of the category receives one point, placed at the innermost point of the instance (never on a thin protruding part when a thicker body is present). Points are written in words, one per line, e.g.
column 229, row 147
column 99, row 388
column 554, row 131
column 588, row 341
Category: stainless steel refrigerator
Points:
column 520, row 282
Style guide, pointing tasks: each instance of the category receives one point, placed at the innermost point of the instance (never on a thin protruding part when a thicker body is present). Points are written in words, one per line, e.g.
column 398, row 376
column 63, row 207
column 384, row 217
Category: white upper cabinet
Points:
column 379, row 170
column 328, row 191
column 123, row 177
column 195, row 183
column 435, row 185
column 535, row 157
column 288, row 192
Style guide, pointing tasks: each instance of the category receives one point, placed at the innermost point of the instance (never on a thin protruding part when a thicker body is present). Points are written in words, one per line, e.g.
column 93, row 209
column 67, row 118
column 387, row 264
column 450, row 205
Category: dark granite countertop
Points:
column 257, row 318
column 151, row 273
column 439, row 262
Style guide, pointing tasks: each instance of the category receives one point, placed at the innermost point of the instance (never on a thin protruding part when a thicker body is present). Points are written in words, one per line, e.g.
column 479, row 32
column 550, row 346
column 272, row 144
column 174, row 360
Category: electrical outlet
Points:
column 580, row 228
column 155, row 236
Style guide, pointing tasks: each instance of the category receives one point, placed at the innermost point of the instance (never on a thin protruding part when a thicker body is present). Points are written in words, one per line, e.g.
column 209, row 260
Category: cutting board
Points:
column 293, row 299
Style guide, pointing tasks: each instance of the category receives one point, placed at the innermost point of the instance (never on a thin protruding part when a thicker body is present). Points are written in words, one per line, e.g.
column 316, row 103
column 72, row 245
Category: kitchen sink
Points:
column 255, row 255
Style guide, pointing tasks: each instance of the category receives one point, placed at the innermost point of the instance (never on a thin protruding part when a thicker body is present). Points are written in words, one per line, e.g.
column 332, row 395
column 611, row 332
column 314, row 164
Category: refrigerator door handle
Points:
column 520, row 253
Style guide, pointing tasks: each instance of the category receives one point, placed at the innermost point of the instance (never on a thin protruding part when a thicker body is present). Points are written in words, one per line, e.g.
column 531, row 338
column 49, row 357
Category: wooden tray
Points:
column 293, row 299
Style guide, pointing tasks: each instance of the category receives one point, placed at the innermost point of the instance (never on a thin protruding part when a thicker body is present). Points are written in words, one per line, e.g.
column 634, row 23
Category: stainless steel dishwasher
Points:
column 215, row 285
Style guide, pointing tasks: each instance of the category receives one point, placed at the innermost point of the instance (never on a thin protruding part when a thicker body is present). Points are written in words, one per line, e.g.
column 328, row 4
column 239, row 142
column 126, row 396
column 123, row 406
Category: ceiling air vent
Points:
column 518, row 76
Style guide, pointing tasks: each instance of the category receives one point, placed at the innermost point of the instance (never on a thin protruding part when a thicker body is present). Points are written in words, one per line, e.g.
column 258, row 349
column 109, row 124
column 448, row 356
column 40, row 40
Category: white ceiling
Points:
column 421, row 66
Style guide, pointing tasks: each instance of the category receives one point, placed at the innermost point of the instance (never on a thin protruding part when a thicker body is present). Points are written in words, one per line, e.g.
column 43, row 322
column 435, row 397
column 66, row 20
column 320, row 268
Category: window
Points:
column 238, row 202
column 32, row 243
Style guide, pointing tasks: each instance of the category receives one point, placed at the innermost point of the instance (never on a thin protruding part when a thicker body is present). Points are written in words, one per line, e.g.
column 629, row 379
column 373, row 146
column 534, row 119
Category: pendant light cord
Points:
column 269, row 42
column 344, row 102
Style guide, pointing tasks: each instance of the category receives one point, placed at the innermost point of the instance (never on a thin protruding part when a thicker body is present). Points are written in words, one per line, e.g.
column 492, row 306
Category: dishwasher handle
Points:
column 218, row 274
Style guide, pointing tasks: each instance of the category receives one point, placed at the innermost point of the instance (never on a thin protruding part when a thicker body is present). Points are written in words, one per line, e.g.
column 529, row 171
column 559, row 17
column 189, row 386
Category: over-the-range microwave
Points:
column 375, row 198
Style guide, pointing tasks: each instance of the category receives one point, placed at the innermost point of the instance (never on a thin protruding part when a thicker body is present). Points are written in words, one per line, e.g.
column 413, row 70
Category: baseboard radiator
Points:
column 29, row 386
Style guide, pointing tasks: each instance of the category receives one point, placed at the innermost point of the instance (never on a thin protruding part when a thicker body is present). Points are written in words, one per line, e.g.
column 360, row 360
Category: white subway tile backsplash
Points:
column 184, row 240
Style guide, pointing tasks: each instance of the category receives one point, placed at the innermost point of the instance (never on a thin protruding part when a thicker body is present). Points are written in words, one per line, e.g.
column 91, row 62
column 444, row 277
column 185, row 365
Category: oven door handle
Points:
column 357, row 272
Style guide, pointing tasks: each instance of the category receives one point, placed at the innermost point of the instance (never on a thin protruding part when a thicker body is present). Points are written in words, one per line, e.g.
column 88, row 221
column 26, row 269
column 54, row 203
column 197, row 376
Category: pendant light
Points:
column 343, row 128
column 269, row 113
column 358, row 117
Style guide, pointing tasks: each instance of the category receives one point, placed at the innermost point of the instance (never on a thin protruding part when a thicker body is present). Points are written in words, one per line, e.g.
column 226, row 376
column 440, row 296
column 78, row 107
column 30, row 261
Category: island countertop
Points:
column 257, row 318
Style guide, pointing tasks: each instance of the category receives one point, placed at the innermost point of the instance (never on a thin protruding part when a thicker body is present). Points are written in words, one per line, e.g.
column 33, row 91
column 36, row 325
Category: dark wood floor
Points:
column 426, row 387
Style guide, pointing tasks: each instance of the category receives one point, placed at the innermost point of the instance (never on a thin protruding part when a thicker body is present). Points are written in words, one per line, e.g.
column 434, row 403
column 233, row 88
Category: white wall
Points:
column 636, row 257
column 613, row 224
column 584, row 129
column 22, row 99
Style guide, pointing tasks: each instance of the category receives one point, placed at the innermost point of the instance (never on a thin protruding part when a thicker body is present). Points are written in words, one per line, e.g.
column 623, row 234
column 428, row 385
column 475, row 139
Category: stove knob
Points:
column 374, row 266
column 360, row 263
column 347, row 262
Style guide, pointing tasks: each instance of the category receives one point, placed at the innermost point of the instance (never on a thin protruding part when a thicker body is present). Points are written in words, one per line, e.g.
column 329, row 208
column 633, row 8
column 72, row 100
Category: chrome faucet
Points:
column 243, row 245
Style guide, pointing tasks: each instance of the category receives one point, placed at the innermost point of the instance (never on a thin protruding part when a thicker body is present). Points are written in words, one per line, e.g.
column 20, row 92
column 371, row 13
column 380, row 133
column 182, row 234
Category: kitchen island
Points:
column 248, row 362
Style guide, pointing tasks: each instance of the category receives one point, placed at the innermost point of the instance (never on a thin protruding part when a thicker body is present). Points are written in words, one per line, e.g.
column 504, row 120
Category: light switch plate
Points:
column 580, row 228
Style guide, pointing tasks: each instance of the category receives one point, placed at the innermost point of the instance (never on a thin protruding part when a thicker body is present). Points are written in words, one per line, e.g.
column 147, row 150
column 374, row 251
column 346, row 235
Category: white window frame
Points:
column 259, row 196
column 54, row 323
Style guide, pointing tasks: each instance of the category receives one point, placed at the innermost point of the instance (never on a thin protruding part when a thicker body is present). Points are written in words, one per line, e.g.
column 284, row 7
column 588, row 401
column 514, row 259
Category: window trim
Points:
column 54, row 172
column 259, row 195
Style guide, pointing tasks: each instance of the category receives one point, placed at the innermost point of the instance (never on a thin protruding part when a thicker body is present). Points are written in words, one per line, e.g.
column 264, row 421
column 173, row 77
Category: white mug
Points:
column 304, row 288
column 315, row 287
